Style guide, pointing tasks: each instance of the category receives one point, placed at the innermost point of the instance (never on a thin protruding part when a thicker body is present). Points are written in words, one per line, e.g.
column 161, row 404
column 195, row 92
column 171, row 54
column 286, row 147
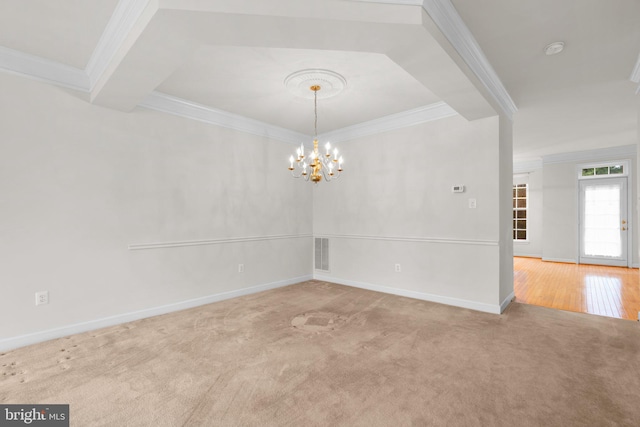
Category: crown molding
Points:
column 43, row 69
column 635, row 74
column 527, row 166
column 190, row 110
column 118, row 28
column 446, row 17
column 128, row 13
column 439, row 110
column 183, row 108
column 401, row 2
column 591, row 155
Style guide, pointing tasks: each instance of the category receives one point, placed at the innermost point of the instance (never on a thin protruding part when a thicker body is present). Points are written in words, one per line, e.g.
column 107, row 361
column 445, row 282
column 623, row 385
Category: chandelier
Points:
column 321, row 165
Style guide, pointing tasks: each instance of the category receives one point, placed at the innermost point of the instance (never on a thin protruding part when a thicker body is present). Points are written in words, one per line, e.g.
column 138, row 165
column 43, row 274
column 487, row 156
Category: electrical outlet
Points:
column 42, row 297
column 240, row 268
column 472, row 203
column 398, row 269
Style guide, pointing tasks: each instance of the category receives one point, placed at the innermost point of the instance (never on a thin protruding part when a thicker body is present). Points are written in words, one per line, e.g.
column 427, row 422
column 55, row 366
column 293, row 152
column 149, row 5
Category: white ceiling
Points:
column 65, row 31
column 577, row 100
column 234, row 57
column 250, row 82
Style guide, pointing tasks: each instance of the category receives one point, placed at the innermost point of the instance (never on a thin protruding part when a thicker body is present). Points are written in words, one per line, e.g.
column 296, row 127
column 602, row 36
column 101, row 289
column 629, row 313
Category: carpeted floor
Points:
column 320, row 354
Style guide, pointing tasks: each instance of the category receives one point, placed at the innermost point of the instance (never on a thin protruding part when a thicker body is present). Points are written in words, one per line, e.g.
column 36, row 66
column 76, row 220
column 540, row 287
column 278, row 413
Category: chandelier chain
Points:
column 315, row 111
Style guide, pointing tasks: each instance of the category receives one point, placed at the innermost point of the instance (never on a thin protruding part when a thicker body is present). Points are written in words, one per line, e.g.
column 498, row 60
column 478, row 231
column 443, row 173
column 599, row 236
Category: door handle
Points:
column 624, row 222
column 623, row 228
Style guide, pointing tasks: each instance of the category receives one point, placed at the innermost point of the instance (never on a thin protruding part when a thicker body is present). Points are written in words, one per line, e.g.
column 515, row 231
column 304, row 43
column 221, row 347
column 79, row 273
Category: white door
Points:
column 603, row 221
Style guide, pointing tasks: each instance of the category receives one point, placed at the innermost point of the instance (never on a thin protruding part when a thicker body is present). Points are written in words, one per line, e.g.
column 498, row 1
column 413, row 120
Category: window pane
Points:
column 602, row 221
column 602, row 171
column 520, row 211
column 588, row 172
column 615, row 169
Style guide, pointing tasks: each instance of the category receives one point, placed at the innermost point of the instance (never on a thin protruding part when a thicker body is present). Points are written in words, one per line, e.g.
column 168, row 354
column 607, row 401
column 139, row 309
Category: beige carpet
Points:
column 328, row 355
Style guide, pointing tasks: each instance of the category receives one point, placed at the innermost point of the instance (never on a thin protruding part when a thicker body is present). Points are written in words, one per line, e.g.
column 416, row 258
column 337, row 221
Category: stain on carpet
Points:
column 318, row 321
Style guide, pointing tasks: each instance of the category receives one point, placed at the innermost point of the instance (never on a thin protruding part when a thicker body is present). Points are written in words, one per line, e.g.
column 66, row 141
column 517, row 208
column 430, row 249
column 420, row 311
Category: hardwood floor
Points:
column 595, row 289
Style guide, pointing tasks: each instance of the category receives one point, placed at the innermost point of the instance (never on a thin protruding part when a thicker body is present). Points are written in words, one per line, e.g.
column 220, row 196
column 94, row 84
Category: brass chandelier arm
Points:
column 320, row 165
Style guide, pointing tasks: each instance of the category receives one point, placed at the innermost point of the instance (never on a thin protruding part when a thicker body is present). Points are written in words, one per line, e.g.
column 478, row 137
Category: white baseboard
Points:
column 567, row 260
column 24, row 340
column 507, row 301
column 478, row 306
column 528, row 255
column 572, row 261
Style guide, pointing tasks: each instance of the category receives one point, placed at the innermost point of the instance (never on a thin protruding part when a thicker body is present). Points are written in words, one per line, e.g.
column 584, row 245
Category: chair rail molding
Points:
column 437, row 240
column 178, row 244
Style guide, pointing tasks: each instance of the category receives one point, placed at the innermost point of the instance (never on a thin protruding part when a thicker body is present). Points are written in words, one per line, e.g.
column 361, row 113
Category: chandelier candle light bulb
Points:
column 320, row 166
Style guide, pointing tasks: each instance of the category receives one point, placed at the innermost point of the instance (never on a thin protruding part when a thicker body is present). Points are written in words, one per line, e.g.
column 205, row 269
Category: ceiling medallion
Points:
column 299, row 83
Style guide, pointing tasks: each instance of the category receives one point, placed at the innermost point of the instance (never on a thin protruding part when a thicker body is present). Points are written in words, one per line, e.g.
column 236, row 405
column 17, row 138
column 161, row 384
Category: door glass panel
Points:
column 602, row 221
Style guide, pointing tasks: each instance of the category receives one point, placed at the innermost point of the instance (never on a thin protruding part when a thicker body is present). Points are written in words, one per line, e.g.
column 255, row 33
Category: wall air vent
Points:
column 321, row 253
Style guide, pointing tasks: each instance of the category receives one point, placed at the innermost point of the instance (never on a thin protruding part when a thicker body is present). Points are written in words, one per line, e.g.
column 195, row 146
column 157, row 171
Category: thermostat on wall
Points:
column 458, row 188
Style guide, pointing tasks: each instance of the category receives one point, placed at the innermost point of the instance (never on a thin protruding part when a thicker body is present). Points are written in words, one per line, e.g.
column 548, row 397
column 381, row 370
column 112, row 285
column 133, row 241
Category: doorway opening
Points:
column 600, row 280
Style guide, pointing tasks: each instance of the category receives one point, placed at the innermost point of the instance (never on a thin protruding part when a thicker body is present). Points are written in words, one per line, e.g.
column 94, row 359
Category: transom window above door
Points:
column 604, row 170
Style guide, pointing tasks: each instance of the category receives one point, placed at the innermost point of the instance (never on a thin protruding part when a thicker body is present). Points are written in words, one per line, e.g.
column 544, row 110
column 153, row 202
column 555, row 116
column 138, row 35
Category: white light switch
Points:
column 472, row 203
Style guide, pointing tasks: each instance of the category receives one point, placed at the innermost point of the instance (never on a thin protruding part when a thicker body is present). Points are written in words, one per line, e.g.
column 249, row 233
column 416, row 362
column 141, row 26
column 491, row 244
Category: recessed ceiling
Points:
column 250, row 82
column 234, row 56
column 65, row 31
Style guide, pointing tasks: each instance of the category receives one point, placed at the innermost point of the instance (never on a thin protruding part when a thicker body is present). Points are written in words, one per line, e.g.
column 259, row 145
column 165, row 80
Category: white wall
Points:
column 125, row 215
column 533, row 247
column 560, row 210
column 80, row 183
column 394, row 205
column 505, row 185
